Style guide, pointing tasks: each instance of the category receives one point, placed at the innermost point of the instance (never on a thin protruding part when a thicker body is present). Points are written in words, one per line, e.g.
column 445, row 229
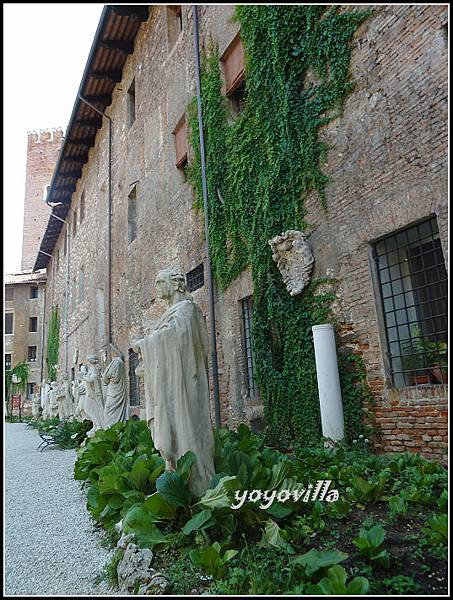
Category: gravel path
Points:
column 51, row 546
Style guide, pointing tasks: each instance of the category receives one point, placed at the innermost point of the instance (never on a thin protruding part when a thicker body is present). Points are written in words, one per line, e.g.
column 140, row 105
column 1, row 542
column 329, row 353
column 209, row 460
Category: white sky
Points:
column 45, row 50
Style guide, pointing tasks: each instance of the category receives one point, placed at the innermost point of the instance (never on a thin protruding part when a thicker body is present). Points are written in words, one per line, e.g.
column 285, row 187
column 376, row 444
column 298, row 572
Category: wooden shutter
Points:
column 180, row 134
column 233, row 65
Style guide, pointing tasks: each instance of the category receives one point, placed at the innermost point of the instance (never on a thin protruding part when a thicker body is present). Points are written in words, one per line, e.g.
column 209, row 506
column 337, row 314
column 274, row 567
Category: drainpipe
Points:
column 214, row 363
column 109, row 240
column 328, row 382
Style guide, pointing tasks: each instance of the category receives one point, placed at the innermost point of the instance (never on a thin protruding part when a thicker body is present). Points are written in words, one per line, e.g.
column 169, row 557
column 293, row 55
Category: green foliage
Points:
column 436, row 531
column 212, row 560
column 109, row 571
column 335, row 584
column 265, row 165
column 53, row 342
column 365, row 491
column 369, row 544
column 314, row 560
column 401, row 585
column 71, row 434
column 398, row 506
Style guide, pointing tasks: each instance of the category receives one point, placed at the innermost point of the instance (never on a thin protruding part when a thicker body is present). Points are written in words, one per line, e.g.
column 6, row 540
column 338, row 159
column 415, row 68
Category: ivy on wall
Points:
column 53, row 344
column 264, row 165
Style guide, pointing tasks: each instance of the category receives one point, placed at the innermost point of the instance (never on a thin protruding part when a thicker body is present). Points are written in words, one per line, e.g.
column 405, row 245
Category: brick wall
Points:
column 42, row 152
column 388, row 168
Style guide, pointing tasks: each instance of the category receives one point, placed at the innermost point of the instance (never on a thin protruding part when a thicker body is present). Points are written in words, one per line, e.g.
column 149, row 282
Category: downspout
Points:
column 214, row 363
column 109, row 240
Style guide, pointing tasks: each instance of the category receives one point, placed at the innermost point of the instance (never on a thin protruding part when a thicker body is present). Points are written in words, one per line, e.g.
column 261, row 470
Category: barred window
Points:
column 413, row 286
column 134, row 388
column 7, row 361
column 247, row 314
column 195, row 278
column 33, row 292
column 32, row 353
column 33, row 324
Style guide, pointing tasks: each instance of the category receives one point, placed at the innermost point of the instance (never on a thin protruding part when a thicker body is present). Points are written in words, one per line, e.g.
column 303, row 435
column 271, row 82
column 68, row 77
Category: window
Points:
column 81, row 284
column 131, row 104
column 247, row 313
column 174, row 24
column 32, row 353
column 413, row 287
column 82, row 207
column 30, row 390
column 7, row 361
column 33, row 324
column 132, row 215
column 9, row 323
column 33, row 293
column 195, row 278
column 180, row 133
column 74, row 293
column 74, row 223
column 9, row 292
column 134, row 388
column 232, row 62
column 72, row 373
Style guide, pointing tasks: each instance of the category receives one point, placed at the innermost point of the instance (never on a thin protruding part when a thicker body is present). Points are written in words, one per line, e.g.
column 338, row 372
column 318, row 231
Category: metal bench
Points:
column 48, row 437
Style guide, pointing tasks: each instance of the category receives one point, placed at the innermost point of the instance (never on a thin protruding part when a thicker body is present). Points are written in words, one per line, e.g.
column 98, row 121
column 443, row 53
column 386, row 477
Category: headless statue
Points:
column 115, row 409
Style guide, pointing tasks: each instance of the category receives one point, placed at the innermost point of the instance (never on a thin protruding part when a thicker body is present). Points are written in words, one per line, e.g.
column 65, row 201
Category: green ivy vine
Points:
column 53, row 337
column 260, row 170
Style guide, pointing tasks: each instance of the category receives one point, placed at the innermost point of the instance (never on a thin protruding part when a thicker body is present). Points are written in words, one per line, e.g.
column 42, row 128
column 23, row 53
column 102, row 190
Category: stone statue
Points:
column 294, row 259
column 68, row 404
column 174, row 356
column 35, row 406
column 52, row 402
column 80, row 411
column 44, row 397
column 115, row 409
column 94, row 405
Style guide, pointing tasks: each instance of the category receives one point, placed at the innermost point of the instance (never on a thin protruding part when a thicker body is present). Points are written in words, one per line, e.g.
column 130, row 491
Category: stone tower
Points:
column 42, row 154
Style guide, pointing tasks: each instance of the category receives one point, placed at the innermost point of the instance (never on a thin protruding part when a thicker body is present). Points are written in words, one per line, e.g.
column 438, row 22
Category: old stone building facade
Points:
column 24, row 318
column 388, row 165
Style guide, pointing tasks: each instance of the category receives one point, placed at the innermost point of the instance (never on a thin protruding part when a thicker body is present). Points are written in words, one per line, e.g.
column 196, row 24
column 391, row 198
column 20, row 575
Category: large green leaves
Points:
column 221, row 495
column 174, row 489
column 335, row 584
column 272, row 537
column 141, row 522
column 314, row 560
column 197, row 522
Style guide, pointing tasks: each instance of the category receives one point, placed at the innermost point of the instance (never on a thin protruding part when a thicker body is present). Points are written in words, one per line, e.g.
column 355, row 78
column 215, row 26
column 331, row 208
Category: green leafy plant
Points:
column 53, row 344
column 335, row 584
column 369, row 542
column 401, row 585
column 314, row 560
column 398, row 506
column 213, row 560
column 436, row 531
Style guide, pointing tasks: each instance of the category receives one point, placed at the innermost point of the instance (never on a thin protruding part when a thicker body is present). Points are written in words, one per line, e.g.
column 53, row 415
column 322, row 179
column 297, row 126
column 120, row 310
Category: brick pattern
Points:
column 388, row 165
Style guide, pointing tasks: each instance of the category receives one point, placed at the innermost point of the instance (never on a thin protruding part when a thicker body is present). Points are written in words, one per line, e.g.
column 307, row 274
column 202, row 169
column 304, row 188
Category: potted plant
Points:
column 414, row 358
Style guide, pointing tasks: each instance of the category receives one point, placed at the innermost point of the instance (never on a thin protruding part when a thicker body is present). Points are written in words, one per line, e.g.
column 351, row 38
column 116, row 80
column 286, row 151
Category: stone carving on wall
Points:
column 174, row 356
column 115, row 409
column 294, row 259
column 94, row 405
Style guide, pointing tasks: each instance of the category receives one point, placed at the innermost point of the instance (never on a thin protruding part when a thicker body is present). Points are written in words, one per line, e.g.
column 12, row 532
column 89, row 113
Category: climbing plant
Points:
column 53, row 344
column 260, row 170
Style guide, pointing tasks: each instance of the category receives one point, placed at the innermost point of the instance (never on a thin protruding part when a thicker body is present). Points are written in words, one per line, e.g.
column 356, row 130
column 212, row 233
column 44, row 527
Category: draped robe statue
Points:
column 115, row 409
column 52, row 401
column 174, row 357
column 35, row 406
column 81, row 396
column 44, row 399
column 94, row 405
column 68, row 404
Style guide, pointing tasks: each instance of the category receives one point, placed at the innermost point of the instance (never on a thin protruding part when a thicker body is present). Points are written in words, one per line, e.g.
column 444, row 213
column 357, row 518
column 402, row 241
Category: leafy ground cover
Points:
column 68, row 435
column 386, row 533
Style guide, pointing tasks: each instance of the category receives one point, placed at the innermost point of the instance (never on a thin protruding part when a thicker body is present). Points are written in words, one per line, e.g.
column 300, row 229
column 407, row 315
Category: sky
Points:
column 45, row 49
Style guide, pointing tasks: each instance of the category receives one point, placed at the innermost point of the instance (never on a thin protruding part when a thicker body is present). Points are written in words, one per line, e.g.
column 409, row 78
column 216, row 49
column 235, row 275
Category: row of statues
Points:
column 173, row 362
column 101, row 399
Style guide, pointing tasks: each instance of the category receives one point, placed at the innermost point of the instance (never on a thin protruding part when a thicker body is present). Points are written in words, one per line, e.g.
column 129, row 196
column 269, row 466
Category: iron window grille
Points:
column 413, row 285
column 247, row 315
column 31, row 353
column 195, row 278
column 134, row 388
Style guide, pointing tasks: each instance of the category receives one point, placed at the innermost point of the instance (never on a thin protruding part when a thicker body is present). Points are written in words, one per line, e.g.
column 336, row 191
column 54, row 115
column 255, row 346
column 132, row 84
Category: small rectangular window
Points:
column 247, row 314
column 33, row 324
column 195, row 278
column 132, row 215
column 33, row 293
column 31, row 353
column 82, row 207
column 232, row 62
column 81, row 284
column 131, row 104
column 30, row 390
column 74, row 223
column 9, row 292
column 9, row 323
column 134, row 388
column 174, row 24
column 7, row 361
column 180, row 133
column 413, row 288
